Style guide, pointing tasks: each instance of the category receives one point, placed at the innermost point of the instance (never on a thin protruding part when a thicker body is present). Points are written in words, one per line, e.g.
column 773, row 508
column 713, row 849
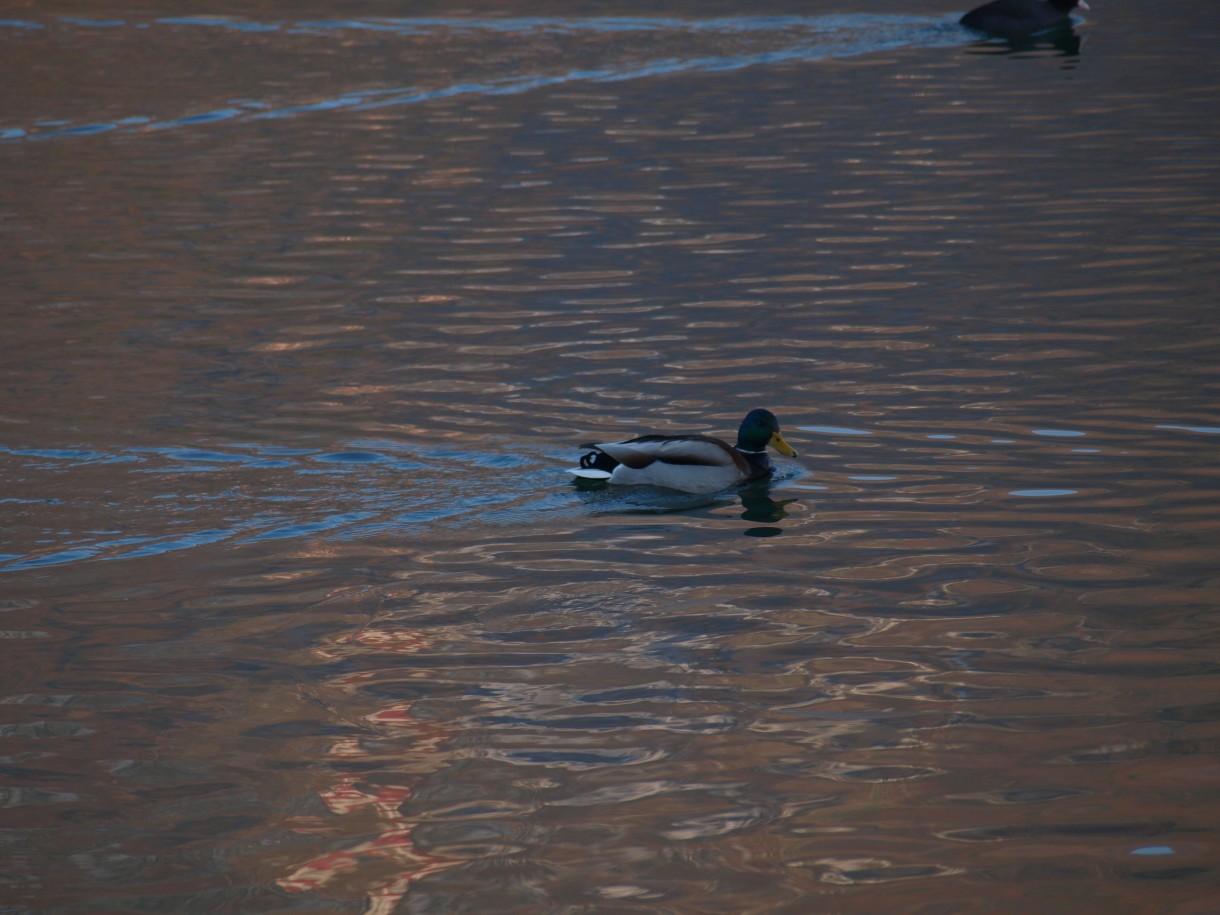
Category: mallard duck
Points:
column 691, row 463
column 1021, row 18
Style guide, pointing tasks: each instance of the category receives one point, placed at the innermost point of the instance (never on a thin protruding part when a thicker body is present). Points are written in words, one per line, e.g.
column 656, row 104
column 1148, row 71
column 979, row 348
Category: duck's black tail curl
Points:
column 598, row 460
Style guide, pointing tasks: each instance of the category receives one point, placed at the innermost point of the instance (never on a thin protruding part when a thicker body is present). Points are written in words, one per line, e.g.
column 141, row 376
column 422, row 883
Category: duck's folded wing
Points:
column 693, row 450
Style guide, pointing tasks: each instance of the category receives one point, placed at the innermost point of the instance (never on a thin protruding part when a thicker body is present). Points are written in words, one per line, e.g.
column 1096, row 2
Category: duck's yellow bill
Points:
column 777, row 442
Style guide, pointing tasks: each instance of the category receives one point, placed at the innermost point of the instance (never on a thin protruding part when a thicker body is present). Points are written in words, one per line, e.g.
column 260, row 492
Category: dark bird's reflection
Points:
column 1063, row 40
column 759, row 506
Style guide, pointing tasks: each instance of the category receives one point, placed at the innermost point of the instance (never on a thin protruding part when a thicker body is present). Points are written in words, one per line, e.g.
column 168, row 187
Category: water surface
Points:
column 306, row 315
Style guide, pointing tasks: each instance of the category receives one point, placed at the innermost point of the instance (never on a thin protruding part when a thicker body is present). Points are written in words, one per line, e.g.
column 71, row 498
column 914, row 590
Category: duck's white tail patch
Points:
column 588, row 473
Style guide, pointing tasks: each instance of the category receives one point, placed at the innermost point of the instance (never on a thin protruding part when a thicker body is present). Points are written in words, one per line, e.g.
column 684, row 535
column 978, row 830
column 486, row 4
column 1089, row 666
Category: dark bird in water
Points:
column 691, row 463
column 1021, row 18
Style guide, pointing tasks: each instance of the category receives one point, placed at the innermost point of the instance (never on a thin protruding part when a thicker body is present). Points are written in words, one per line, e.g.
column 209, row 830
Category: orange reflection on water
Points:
column 390, row 847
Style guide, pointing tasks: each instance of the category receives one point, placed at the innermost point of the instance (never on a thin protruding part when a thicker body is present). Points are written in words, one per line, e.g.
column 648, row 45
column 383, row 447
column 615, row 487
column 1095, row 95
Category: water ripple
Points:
column 802, row 39
column 302, row 609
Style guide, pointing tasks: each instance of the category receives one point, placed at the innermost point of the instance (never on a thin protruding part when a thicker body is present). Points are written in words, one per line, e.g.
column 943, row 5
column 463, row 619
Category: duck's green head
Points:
column 759, row 429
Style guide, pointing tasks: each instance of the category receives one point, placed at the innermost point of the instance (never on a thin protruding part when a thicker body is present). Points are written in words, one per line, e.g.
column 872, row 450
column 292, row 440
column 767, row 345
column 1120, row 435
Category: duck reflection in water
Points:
column 759, row 506
column 1065, row 41
column 755, row 499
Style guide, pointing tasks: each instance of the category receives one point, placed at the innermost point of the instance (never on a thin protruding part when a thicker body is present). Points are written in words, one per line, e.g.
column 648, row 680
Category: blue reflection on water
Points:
column 1205, row 430
column 801, row 39
column 75, row 455
column 1042, row 493
column 834, row 430
column 366, row 487
column 370, row 487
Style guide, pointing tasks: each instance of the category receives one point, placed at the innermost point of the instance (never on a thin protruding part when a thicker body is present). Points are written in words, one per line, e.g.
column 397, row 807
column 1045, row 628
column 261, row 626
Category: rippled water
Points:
column 307, row 314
